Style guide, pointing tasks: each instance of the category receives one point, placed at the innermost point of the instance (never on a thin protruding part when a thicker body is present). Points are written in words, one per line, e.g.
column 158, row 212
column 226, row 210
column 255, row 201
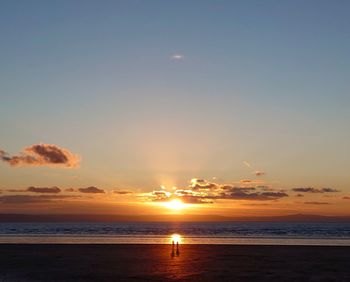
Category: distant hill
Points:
column 183, row 218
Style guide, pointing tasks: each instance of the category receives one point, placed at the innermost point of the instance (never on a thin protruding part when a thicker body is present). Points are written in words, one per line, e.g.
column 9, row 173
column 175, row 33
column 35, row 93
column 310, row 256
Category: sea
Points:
column 241, row 233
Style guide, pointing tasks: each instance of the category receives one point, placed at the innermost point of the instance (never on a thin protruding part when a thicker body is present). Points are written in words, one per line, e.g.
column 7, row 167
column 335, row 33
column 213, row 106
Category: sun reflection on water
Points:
column 176, row 238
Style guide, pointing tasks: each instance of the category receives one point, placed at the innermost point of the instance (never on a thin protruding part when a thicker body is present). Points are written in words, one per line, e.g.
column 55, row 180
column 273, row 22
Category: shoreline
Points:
column 122, row 262
column 159, row 240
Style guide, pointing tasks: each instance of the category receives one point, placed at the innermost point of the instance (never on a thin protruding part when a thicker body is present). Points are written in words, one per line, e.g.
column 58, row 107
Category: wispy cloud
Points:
column 32, row 189
column 122, row 192
column 42, row 155
column 254, row 171
column 260, row 173
column 247, row 164
column 29, row 199
column 317, row 203
column 314, row 190
column 177, row 56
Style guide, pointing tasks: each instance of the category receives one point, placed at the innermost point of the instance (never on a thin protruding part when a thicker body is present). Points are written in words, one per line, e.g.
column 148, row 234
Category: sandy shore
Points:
column 155, row 263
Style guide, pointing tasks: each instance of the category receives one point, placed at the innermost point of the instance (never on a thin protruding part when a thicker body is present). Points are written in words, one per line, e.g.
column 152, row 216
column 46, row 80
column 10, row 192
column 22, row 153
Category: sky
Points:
column 233, row 108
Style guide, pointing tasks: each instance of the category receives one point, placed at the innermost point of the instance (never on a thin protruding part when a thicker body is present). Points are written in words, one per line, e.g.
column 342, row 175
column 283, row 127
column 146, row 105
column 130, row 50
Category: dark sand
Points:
column 154, row 263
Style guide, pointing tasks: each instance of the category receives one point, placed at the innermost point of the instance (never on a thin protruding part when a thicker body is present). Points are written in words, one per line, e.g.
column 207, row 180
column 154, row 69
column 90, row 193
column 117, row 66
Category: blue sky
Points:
column 259, row 81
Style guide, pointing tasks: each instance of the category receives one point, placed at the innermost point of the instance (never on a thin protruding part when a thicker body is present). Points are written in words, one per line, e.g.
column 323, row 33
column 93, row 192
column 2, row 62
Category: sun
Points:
column 176, row 238
column 175, row 204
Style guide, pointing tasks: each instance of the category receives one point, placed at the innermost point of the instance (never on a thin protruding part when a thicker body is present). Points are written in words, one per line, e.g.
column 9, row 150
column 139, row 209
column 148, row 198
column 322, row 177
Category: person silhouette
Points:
column 173, row 249
column 177, row 249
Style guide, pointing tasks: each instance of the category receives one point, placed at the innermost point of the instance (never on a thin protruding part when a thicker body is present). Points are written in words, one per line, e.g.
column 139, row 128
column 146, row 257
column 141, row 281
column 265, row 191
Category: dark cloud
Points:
column 53, row 190
column 183, row 192
column 299, row 195
column 317, row 203
column 227, row 192
column 329, row 190
column 44, row 189
column 122, row 192
column 92, row 190
column 314, row 190
column 185, row 195
column 42, row 155
column 28, row 199
column 346, row 198
column 257, row 196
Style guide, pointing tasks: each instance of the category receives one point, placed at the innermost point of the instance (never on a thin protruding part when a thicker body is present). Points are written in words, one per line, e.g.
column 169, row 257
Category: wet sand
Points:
column 155, row 263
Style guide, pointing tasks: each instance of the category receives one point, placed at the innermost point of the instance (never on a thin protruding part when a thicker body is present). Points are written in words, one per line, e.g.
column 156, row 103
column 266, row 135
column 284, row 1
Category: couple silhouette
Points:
column 173, row 252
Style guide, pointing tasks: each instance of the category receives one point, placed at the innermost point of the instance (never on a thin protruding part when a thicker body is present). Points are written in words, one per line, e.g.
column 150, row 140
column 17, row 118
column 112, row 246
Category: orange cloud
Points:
column 202, row 191
column 42, row 155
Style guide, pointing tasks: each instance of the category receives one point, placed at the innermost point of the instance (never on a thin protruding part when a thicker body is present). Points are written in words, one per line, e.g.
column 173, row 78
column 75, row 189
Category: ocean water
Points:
column 266, row 233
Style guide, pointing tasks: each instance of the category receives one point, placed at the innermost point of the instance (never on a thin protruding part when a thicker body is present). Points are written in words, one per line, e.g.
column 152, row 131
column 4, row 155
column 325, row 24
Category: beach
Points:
column 121, row 262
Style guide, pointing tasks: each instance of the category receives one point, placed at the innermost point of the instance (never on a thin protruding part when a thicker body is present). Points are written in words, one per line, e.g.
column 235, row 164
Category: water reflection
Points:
column 175, row 240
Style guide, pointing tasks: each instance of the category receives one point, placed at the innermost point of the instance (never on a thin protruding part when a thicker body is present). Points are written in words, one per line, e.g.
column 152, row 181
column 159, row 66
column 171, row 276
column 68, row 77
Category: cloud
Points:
column 42, row 155
column 191, row 199
column 53, row 190
column 237, row 189
column 44, row 189
column 246, row 181
column 299, row 195
column 198, row 184
column 186, row 195
column 202, row 191
column 254, row 171
column 160, row 195
column 247, row 164
column 122, row 192
column 177, row 56
column 92, row 190
column 258, row 196
column 314, row 190
column 260, row 173
column 317, row 203
column 346, row 198
column 28, row 199
column 329, row 190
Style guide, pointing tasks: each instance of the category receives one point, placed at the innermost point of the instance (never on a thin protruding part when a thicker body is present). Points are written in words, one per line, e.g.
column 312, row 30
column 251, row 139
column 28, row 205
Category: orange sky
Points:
column 248, row 197
column 141, row 97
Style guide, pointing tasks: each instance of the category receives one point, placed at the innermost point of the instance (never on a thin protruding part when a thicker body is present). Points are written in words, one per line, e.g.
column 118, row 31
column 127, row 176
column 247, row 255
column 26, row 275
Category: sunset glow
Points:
column 176, row 238
column 175, row 204
column 135, row 119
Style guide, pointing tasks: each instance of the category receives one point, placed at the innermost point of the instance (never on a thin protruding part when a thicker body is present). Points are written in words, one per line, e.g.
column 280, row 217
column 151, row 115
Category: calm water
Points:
column 191, row 233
